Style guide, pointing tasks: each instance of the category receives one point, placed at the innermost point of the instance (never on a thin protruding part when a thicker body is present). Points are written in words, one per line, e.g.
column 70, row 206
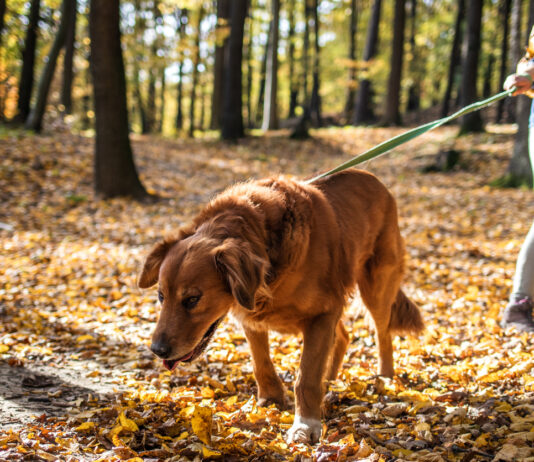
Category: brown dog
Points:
column 284, row 255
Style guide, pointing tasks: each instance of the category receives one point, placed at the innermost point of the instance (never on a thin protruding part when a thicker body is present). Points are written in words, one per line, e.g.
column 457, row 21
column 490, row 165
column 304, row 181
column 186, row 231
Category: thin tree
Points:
column 270, row 106
column 504, row 10
column 182, row 16
column 114, row 168
column 315, row 100
column 162, row 88
column 139, row 30
column 472, row 122
column 353, row 27
column 68, row 59
column 232, row 127
column 392, row 113
column 364, row 109
column 263, row 74
column 28, row 63
column 455, row 57
column 194, row 78
column 153, row 71
column 221, row 36
column 414, row 89
column 306, row 52
column 35, row 119
column 2, row 18
column 516, row 50
column 250, row 71
column 293, row 83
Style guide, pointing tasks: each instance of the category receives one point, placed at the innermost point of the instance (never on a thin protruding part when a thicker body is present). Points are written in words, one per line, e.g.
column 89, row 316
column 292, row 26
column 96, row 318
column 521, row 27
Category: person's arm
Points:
column 523, row 79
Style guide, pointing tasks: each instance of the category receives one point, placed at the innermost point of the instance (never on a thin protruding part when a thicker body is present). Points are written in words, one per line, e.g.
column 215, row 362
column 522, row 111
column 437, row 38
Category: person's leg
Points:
column 518, row 312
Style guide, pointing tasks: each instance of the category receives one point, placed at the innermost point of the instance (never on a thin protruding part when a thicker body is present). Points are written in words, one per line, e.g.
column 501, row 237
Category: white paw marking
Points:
column 304, row 430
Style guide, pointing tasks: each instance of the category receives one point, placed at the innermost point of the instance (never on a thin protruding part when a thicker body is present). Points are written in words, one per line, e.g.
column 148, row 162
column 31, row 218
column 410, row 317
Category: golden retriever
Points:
column 280, row 254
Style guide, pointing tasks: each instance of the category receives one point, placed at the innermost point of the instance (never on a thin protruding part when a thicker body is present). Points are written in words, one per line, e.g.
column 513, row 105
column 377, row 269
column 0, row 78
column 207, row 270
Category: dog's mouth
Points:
column 171, row 364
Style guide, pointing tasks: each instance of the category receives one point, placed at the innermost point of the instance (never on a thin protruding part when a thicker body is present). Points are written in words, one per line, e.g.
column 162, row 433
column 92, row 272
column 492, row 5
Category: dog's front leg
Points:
column 270, row 387
column 318, row 338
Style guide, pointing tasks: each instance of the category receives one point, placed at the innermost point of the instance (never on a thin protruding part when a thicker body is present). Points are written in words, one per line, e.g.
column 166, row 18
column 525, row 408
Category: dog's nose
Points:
column 161, row 349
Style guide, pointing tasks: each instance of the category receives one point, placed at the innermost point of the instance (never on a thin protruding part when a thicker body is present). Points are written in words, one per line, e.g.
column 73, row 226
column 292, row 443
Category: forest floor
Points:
column 77, row 381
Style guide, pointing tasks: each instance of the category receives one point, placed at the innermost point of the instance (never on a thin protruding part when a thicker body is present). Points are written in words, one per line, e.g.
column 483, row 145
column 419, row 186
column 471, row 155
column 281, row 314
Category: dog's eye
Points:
column 190, row 302
column 160, row 296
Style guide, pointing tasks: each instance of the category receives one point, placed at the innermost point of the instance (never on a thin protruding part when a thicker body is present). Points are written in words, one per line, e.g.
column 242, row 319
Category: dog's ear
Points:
column 150, row 272
column 243, row 271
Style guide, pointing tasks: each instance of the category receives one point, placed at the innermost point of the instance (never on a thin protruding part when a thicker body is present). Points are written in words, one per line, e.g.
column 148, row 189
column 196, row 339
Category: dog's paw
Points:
column 282, row 402
column 304, row 430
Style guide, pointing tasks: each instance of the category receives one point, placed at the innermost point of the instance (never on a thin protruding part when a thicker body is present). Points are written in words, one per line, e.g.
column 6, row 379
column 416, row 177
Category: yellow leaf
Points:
column 4, row 349
column 117, row 442
column 84, row 338
column 201, row 423
column 85, row 426
column 207, row 393
column 127, row 424
column 207, row 452
column 231, row 401
column 482, row 440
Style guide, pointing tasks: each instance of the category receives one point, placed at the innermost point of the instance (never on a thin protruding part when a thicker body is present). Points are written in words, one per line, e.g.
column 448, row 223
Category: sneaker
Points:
column 518, row 314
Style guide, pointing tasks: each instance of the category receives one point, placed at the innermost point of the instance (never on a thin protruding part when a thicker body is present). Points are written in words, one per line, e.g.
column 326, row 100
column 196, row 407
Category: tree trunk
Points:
column 306, row 52
column 194, row 78
column 263, row 74
column 68, row 73
column 392, row 113
column 2, row 18
column 315, row 100
column 270, row 107
column 519, row 168
column 162, row 100
column 516, row 51
column 293, row 84
column 351, row 84
column 472, row 122
column 182, row 18
column 28, row 63
column 223, row 10
column 250, row 73
column 504, row 9
column 35, row 119
column 140, row 103
column 414, row 90
column 364, row 109
column 232, row 127
column 115, row 172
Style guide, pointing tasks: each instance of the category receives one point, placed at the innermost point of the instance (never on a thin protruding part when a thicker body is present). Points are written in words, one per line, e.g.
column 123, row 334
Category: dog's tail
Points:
column 405, row 315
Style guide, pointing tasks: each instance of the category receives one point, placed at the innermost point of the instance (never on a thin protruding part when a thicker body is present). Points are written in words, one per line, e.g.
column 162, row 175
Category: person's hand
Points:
column 521, row 82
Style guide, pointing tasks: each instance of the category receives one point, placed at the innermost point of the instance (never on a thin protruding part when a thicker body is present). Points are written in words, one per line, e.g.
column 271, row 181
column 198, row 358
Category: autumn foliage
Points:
column 77, row 381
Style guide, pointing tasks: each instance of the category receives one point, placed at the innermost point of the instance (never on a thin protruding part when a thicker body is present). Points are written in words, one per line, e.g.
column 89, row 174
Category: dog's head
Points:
column 200, row 279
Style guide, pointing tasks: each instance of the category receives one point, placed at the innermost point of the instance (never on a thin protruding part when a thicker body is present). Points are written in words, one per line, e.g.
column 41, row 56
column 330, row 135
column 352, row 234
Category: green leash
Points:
column 388, row 145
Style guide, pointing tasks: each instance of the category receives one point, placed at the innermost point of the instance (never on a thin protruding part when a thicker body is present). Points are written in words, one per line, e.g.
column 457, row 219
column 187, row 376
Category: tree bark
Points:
column 414, row 89
column 364, row 109
column 351, row 84
column 392, row 113
column 162, row 89
column 472, row 122
column 68, row 72
column 315, row 100
column 182, row 18
column 306, row 52
column 35, row 119
column 293, row 84
column 28, row 63
column 250, row 73
column 194, row 78
column 504, row 9
column 2, row 18
column 263, row 74
column 270, row 106
column 115, row 172
column 223, row 11
column 516, row 51
column 488, row 76
column 232, row 127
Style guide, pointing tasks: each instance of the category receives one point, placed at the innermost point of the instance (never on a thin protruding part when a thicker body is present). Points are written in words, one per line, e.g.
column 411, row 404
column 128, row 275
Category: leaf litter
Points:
column 77, row 381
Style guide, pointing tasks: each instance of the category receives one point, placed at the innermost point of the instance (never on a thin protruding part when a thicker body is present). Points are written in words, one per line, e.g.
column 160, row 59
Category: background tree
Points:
column 315, row 99
column 182, row 18
column 504, row 11
column 472, row 122
column 115, row 172
column 232, row 127
column 221, row 36
column 68, row 71
column 392, row 112
column 28, row 62
column 270, row 107
column 194, row 78
column 351, row 85
column 35, row 119
column 364, row 110
column 455, row 56
column 2, row 18
column 291, row 38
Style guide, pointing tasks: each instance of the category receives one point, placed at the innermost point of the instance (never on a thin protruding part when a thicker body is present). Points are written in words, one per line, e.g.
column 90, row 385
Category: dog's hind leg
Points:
column 340, row 347
column 379, row 283
column 270, row 387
